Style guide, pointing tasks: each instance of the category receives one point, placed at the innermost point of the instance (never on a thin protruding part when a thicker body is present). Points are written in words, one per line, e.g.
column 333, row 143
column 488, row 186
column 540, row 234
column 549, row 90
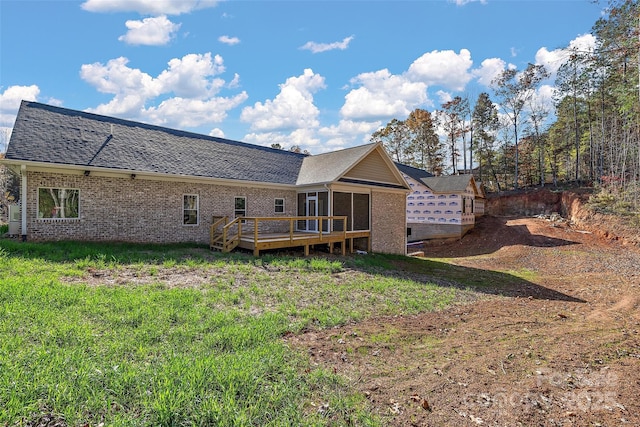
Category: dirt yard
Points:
column 558, row 347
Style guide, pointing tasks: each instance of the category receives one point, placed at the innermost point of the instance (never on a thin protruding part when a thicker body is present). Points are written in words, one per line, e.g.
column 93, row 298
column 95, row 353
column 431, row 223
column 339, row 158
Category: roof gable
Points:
column 365, row 164
column 329, row 167
column 375, row 167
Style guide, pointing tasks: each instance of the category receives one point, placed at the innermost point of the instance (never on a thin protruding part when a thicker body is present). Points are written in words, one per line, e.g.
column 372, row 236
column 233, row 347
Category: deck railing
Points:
column 215, row 236
column 230, row 240
column 257, row 232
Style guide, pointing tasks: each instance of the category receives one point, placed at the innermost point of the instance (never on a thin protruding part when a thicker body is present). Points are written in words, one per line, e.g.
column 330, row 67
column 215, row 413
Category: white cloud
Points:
column 187, row 113
column 348, row 133
column 122, row 105
column 292, row 108
column 444, row 68
column 5, row 137
column 150, row 31
column 544, row 96
column 304, row 138
column 217, row 132
column 444, row 97
column 235, row 82
column 10, row 101
column 190, row 76
column 552, row 60
column 489, row 70
column 117, row 78
column 382, row 95
column 148, row 7
column 229, row 40
column 191, row 80
column 323, row 47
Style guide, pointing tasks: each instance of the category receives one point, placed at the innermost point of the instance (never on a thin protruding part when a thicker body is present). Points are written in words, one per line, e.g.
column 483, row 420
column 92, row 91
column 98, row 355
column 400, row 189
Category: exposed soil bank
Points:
column 571, row 205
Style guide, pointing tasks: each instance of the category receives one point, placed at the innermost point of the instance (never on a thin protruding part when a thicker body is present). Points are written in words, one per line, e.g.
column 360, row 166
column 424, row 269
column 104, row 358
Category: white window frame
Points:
column 235, row 211
column 276, row 205
column 197, row 209
column 56, row 217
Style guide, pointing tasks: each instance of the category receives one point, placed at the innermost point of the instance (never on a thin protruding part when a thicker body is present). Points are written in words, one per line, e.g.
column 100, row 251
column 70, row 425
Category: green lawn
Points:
column 178, row 335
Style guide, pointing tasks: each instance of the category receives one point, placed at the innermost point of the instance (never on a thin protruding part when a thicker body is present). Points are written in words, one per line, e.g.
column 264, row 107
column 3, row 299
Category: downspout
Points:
column 23, row 202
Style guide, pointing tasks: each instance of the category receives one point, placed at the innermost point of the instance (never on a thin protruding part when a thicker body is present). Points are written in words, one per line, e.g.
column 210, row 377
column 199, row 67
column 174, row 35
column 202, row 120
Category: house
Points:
column 96, row 178
column 440, row 206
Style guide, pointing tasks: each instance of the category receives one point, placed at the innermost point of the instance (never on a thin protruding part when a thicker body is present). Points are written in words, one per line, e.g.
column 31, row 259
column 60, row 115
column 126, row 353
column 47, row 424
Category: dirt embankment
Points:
column 571, row 205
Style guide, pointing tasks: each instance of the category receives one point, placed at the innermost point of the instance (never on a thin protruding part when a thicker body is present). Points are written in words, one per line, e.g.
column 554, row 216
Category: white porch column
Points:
column 23, row 201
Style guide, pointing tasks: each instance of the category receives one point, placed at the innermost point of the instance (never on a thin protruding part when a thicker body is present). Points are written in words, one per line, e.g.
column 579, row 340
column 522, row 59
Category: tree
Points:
column 538, row 114
column 453, row 114
column 618, row 51
column 395, row 139
column 485, row 125
column 571, row 82
column 9, row 189
column 298, row 149
column 513, row 90
column 425, row 146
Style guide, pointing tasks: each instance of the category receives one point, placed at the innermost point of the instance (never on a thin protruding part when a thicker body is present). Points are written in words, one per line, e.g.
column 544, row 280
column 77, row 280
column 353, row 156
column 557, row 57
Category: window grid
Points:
column 278, row 205
column 191, row 209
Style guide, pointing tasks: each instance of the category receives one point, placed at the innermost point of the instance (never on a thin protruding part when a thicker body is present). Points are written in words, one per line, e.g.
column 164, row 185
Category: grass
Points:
column 133, row 335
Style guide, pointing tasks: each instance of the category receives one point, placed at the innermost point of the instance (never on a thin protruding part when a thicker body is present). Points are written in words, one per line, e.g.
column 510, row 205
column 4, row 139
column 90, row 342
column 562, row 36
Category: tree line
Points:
column 511, row 139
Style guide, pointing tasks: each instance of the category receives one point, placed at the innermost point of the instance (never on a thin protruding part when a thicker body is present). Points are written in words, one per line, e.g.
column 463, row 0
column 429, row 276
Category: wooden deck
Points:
column 264, row 233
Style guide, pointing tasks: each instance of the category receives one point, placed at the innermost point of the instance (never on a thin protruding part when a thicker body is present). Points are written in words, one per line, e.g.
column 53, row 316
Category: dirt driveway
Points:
column 559, row 348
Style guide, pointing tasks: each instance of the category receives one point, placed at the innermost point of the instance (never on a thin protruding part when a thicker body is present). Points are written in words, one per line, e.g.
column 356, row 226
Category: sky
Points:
column 319, row 74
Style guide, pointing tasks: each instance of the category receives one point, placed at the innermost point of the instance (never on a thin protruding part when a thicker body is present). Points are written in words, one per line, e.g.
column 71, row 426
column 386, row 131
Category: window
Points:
column 278, row 205
column 190, row 209
column 60, row 203
column 240, row 208
column 467, row 207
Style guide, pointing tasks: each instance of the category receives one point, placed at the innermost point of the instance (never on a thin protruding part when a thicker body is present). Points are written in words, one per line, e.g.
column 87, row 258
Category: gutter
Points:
column 135, row 174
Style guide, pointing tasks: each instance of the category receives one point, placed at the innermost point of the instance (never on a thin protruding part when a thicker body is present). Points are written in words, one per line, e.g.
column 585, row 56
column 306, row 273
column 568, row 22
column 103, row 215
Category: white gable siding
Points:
column 373, row 168
column 423, row 206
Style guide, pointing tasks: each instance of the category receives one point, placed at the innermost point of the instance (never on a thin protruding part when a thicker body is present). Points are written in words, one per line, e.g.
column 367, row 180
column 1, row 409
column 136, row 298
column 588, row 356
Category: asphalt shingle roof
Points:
column 49, row 134
column 412, row 172
column 449, row 183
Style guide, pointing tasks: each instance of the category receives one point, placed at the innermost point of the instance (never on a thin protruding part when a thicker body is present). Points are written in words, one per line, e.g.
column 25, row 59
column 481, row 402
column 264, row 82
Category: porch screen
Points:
column 341, row 206
column 360, row 211
column 302, row 210
column 355, row 206
column 323, row 208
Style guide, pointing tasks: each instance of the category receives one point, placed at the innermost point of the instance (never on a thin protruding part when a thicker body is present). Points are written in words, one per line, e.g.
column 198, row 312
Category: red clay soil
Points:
column 561, row 348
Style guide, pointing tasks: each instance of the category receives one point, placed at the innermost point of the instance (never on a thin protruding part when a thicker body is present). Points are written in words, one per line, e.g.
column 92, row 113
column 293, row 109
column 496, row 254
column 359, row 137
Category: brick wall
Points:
column 141, row 210
column 388, row 222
